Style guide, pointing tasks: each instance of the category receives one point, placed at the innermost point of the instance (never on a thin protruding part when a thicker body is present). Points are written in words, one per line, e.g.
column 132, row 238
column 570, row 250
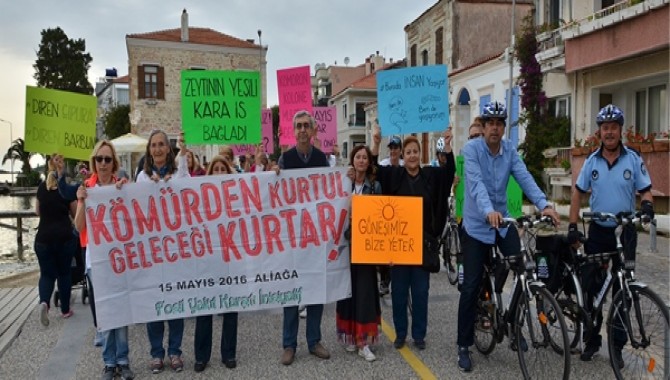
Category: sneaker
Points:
column 366, row 354
column 524, row 344
column 125, row 372
column 230, row 363
column 68, row 314
column 199, row 366
column 399, row 343
column 588, row 353
column 99, row 339
column 618, row 358
column 176, row 363
column 108, row 373
column 350, row 348
column 464, row 360
column 302, row 312
column 288, row 356
column 320, row 351
column 44, row 314
column 420, row 344
column 156, row 365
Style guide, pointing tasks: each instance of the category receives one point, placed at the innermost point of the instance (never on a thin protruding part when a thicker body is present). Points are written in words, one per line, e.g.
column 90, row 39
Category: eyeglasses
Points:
column 303, row 125
column 107, row 159
column 475, row 136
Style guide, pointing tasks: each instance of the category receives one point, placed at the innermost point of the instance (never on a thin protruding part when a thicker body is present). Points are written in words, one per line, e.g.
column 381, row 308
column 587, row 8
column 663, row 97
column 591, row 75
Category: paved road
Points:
column 64, row 350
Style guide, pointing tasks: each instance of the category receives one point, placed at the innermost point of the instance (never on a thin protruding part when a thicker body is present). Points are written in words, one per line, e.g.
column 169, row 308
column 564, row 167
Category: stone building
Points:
column 155, row 62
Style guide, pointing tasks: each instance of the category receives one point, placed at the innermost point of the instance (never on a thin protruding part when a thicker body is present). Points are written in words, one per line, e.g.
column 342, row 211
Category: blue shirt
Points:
column 486, row 178
column 613, row 186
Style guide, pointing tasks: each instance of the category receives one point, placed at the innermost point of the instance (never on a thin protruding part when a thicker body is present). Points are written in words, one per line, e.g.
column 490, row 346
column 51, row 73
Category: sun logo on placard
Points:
column 388, row 209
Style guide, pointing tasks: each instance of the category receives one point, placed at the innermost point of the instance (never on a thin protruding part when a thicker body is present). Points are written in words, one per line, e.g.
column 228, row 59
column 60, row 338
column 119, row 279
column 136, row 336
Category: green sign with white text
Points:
column 221, row 107
column 60, row 122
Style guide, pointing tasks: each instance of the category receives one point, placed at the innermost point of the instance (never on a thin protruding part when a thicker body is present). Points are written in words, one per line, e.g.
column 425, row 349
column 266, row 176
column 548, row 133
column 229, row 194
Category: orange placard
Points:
column 386, row 230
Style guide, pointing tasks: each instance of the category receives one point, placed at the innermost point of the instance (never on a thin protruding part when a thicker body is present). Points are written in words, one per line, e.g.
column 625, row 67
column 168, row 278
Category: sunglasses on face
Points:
column 107, row 159
column 303, row 125
column 475, row 136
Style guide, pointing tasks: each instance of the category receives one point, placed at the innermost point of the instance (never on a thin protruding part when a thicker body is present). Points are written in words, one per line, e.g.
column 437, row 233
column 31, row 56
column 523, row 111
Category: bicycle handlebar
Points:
column 620, row 219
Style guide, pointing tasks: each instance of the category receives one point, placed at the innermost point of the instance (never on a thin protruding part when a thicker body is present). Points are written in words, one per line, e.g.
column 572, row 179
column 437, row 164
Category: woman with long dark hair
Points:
column 358, row 318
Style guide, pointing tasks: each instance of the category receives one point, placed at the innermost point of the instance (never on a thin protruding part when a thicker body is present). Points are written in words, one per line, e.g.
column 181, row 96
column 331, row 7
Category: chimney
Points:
column 184, row 26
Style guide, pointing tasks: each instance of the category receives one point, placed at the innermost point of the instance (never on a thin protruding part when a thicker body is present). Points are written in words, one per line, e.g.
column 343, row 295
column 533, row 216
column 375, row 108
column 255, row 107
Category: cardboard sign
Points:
column 221, row 107
column 514, row 192
column 268, row 141
column 413, row 100
column 326, row 127
column 295, row 94
column 60, row 122
column 386, row 230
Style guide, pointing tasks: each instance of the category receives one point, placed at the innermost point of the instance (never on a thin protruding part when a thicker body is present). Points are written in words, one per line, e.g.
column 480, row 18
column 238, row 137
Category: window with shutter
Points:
column 140, row 82
column 151, row 82
column 160, row 91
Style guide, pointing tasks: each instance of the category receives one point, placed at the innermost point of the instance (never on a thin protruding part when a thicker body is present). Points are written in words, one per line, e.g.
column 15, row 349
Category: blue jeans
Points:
column 291, row 323
column 156, row 330
column 475, row 255
column 203, row 337
column 55, row 262
column 115, row 347
column 403, row 279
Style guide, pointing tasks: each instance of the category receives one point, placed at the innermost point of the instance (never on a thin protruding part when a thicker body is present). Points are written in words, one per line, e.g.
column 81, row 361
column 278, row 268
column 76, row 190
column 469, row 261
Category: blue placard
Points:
column 413, row 99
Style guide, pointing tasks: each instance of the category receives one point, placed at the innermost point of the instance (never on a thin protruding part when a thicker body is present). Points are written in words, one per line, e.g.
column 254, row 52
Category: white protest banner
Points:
column 216, row 244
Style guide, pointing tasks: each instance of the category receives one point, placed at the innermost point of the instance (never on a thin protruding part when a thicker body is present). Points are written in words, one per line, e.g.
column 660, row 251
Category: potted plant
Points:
column 633, row 138
column 592, row 142
column 577, row 149
column 647, row 143
column 661, row 143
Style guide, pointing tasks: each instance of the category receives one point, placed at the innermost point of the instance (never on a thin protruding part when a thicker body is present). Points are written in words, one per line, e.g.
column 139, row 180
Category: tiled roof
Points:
column 204, row 36
column 123, row 79
column 369, row 82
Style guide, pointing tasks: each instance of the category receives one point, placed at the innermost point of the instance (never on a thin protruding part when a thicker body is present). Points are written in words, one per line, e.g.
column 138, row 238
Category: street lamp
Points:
column 11, row 141
column 260, row 61
column 510, row 55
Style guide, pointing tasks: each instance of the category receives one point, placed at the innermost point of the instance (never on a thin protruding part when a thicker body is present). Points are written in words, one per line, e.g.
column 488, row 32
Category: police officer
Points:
column 613, row 173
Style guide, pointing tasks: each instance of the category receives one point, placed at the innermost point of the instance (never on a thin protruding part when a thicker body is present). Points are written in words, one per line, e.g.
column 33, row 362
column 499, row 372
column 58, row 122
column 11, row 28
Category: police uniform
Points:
column 613, row 188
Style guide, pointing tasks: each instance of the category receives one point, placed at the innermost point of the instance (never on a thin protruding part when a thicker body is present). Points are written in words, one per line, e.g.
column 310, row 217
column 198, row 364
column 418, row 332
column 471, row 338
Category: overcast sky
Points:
column 298, row 32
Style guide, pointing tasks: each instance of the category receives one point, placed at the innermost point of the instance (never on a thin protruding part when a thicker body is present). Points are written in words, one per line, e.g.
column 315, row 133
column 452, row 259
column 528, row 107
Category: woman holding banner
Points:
column 358, row 318
column 104, row 163
column 433, row 185
column 203, row 323
column 159, row 165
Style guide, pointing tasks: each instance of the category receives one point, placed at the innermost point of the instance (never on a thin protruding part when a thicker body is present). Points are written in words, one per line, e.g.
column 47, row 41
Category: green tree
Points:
column 542, row 130
column 62, row 63
column 117, row 121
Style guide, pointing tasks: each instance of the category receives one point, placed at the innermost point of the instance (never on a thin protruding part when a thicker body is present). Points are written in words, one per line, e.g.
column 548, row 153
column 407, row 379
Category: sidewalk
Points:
column 65, row 350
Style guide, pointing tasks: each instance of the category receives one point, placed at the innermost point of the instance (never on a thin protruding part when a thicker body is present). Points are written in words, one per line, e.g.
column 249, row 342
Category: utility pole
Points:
column 510, row 56
column 11, row 141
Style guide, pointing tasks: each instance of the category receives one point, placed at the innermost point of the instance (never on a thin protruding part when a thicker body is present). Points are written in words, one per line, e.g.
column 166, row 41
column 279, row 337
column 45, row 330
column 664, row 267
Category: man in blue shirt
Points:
column 613, row 173
column 489, row 163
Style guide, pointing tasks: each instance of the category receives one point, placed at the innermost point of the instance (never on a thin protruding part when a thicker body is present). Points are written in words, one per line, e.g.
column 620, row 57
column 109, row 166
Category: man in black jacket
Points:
column 303, row 155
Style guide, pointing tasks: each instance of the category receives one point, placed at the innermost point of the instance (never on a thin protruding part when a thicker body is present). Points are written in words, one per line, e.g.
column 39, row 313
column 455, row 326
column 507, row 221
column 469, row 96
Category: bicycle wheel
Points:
column 542, row 336
column 452, row 248
column 646, row 330
column 577, row 319
column 484, row 319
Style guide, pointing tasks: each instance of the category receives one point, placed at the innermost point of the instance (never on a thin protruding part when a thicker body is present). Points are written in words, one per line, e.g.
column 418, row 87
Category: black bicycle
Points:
column 532, row 318
column 450, row 244
column 636, row 312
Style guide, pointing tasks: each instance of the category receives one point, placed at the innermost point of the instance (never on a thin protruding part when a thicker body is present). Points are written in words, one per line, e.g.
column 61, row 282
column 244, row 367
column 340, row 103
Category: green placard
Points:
column 60, row 122
column 221, row 107
column 514, row 193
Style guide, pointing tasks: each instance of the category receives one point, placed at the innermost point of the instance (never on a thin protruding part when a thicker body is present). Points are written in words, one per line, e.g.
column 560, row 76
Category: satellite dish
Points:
column 346, row 61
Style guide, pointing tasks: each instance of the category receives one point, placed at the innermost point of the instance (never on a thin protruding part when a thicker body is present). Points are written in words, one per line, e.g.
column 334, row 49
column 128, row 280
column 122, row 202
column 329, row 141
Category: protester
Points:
column 489, row 163
column 440, row 155
column 55, row 243
column 303, row 155
column 433, row 186
column 613, row 174
column 159, row 165
column 194, row 167
column 115, row 351
column 203, row 323
column 227, row 152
